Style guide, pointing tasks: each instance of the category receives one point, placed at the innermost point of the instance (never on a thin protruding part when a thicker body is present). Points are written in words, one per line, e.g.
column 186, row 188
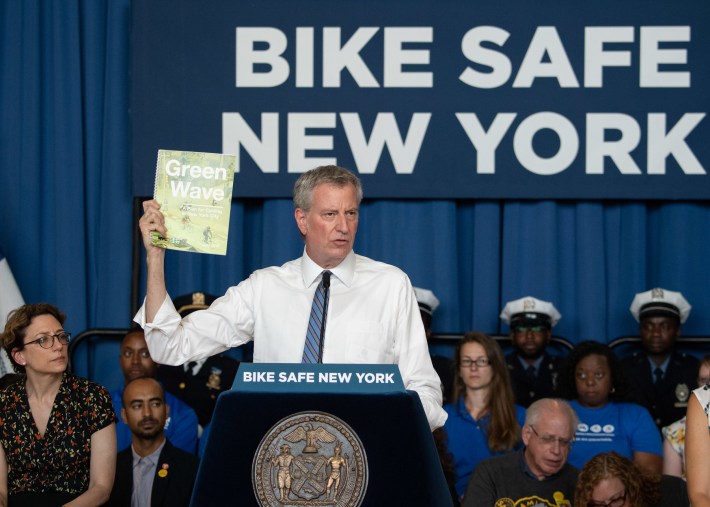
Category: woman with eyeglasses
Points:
column 593, row 381
column 611, row 480
column 483, row 420
column 57, row 434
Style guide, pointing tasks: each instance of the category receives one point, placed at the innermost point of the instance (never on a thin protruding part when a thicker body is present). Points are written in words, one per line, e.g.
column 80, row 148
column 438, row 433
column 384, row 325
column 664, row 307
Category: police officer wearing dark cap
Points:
column 199, row 383
column 533, row 371
column 661, row 378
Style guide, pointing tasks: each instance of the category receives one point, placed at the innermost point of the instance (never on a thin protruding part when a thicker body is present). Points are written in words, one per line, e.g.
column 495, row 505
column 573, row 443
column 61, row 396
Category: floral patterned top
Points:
column 675, row 434
column 59, row 460
column 703, row 395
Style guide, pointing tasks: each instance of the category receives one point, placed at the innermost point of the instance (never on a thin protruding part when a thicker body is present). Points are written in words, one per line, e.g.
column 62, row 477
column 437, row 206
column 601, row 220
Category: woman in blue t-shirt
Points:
column 594, row 382
column 483, row 420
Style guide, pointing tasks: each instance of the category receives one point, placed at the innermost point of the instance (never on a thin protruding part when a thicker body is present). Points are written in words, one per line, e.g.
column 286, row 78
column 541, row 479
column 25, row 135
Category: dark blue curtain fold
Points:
column 67, row 225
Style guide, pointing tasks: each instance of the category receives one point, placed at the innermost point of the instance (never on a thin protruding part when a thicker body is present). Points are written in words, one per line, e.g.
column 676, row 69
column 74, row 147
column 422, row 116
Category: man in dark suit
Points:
column 199, row 383
column 151, row 472
column 660, row 377
column 533, row 371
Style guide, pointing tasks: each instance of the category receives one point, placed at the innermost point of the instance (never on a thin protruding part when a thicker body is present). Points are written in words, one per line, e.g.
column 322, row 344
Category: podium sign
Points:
column 318, row 378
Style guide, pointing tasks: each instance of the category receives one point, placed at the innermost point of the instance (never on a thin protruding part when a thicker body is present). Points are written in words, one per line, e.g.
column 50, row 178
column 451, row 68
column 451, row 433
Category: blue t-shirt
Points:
column 620, row 427
column 467, row 442
column 180, row 427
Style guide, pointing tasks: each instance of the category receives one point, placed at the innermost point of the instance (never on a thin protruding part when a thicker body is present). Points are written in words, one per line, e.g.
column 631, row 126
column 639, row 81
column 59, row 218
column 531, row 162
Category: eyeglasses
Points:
column 46, row 341
column 480, row 362
column 703, row 380
column 549, row 440
column 616, row 502
column 525, row 329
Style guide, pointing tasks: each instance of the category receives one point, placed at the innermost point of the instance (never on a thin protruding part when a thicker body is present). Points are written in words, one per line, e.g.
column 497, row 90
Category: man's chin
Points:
column 148, row 434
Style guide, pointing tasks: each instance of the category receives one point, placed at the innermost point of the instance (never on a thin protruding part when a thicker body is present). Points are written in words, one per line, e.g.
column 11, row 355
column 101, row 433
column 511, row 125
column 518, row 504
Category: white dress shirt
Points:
column 373, row 317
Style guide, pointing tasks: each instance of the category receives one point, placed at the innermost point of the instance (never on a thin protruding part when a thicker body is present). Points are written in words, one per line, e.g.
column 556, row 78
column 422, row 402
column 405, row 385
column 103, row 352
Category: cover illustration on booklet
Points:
column 194, row 191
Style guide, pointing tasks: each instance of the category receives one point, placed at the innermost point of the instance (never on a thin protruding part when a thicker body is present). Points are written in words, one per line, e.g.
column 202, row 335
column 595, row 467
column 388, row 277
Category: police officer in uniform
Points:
column 661, row 378
column 199, row 383
column 532, row 370
column 428, row 303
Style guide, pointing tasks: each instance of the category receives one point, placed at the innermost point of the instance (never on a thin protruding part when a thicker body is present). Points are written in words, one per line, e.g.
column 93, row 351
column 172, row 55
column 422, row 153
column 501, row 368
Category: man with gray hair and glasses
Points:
column 539, row 473
column 328, row 306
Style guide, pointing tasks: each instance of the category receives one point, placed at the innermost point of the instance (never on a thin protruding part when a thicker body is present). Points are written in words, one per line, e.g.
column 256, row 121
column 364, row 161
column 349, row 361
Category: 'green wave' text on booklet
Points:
column 194, row 191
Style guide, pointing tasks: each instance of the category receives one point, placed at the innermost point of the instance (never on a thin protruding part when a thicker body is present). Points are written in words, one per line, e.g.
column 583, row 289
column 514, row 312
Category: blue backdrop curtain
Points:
column 67, row 208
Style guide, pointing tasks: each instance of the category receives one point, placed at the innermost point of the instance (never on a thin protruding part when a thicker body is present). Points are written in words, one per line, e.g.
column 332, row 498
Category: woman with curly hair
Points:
column 57, row 430
column 483, row 419
column 593, row 381
column 611, row 480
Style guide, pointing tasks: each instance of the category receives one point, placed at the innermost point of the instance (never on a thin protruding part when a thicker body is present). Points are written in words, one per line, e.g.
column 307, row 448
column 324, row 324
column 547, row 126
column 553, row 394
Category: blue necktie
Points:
column 312, row 352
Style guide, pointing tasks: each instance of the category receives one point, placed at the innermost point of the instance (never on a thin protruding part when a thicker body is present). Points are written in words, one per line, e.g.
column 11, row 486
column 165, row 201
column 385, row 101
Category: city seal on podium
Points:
column 310, row 459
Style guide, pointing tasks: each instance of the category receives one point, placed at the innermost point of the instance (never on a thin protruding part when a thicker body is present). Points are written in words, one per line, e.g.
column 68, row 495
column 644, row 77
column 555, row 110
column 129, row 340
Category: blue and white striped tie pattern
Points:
column 316, row 323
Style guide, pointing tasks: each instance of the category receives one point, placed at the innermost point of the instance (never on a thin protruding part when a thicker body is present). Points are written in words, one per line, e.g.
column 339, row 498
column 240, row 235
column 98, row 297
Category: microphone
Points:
column 326, row 286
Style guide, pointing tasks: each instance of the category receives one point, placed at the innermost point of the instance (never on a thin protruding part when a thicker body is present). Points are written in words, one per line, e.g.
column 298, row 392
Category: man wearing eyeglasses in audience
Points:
column 539, row 473
column 533, row 371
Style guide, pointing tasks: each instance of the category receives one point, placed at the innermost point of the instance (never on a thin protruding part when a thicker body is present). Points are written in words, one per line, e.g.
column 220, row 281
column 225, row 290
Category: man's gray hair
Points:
column 532, row 415
column 331, row 174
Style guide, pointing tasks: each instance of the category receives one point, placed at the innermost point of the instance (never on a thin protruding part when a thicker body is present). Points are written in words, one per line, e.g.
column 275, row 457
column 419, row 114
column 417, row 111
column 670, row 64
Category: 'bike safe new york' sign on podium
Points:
column 318, row 378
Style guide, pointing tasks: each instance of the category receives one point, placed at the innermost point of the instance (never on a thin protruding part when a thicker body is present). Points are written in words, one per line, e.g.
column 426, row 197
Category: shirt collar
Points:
column 535, row 365
column 152, row 458
column 344, row 272
column 663, row 366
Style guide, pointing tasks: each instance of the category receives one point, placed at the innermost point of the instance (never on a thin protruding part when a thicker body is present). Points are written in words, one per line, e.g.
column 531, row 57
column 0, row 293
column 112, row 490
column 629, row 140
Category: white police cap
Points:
column 428, row 302
column 660, row 302
column 530, row 310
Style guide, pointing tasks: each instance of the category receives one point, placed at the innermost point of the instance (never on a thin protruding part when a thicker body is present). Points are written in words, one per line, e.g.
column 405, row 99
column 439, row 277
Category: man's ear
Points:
column 301, row 216
column 123, row 416
column 526, row 434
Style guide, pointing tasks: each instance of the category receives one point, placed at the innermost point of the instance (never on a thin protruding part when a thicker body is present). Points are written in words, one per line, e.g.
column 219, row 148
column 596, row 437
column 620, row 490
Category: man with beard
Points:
column 135, row 361
column 661, row 378
column 151, row 472
column 532, row 370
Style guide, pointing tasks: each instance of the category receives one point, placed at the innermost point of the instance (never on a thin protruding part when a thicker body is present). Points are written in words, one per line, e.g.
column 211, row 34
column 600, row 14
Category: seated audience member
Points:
column 661, row 378
column 592, row 378
column 674, row 434
column 484, row 420
column 57, row 434
column 533, row 371
column 444, row 366
column 135, row 360
column 697, row 448
column 200, row 382
column 536, row 475
column 611, row 480
column 151, row 471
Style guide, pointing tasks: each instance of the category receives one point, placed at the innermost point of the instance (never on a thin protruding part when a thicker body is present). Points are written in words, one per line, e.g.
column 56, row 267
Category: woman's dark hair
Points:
column 642, row 489
column 503, row 430
column 17, row 323
column 567, row 386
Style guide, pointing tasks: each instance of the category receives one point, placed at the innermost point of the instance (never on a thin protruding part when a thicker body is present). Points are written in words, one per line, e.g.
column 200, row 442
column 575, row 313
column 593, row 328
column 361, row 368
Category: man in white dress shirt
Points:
column 372, row 315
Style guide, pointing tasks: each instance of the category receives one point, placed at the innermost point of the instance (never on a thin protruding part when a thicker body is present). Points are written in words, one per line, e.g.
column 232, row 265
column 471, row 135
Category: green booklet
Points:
column 194, row 191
